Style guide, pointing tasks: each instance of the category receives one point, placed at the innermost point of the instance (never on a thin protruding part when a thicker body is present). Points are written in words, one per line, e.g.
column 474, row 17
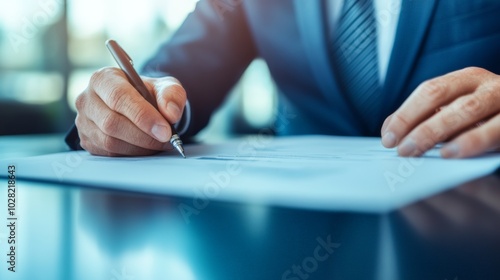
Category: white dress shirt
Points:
column 387, row 16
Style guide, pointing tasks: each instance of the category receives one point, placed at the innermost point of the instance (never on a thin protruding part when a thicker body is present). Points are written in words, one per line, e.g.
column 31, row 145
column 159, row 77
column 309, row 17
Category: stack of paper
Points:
column 319, row 172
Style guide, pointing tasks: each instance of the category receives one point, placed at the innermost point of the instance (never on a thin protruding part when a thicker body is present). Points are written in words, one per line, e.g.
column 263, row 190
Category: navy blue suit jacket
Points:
column 220, row 38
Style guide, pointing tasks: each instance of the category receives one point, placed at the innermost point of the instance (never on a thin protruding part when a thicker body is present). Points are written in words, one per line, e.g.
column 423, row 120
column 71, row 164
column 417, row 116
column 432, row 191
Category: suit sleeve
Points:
column 207, row 54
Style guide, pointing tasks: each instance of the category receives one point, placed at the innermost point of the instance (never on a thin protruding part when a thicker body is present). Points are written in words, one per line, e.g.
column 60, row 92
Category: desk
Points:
column 71, row 232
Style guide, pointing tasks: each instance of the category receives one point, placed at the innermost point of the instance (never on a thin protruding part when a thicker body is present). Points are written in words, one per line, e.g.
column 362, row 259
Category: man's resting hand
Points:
column 462, row 107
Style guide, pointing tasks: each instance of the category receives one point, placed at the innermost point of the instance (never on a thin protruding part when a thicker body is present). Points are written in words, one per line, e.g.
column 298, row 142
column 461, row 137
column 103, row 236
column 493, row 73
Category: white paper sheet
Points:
column 318, row 172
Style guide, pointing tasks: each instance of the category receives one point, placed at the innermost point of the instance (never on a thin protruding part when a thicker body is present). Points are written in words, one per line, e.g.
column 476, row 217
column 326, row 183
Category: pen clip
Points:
column 129, row 59
column 126, row 54
column 114, row 46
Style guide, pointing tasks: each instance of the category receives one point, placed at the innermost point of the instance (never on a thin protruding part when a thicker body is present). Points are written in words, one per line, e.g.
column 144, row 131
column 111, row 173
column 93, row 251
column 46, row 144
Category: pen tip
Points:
column 181, row 151
column 177, row 143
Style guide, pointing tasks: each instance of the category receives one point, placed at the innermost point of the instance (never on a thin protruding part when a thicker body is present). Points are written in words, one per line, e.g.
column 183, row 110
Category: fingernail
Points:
column 450, row 150
column 407, row 148
column 385, row 124
column 160, row 132
column 389, row 140
column 174, row 110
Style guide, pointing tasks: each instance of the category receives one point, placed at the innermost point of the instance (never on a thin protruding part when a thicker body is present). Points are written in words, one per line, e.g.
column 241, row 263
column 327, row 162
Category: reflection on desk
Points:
column 456, row 232
column 88, row 233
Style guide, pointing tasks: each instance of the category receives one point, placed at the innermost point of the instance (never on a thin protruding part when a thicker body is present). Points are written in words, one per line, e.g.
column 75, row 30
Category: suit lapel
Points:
column 311, row 25
column 413, row 24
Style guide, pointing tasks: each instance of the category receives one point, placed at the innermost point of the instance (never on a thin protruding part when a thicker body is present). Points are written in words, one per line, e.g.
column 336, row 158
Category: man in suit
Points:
column 341, row 67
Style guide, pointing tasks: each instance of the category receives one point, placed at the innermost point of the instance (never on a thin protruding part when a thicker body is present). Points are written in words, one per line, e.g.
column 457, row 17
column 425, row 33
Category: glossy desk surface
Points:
column 71, row 232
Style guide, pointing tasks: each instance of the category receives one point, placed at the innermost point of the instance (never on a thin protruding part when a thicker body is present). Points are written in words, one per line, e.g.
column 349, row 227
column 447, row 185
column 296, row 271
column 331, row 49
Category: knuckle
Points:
column 87, row 144
column 140, row 115
column 99, row 76
column 431, row 133
column 169, row 84
column 177, row 92
column 116, row 96
column 109, row 124
column 451, row 118
column 79, row 122
column 84, row 143
column 100, row 83
column 109, row 143
column 80, row 101
column 433, row 90
column 95, row 78
column 401, row 119
column 172, row 92
column 491, row 95
column 471, row 105
column 104, row 72
column 474, row 71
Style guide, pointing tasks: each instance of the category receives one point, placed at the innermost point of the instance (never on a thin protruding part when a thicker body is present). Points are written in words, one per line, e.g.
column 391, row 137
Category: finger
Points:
column 96, row 142
column 384, row 125
column 97, row 151
column 474, row 142
column 111, row 85
column 88, row 145
column 170, row 96
column 117, row 126
column 460, row 115
column 423, row 102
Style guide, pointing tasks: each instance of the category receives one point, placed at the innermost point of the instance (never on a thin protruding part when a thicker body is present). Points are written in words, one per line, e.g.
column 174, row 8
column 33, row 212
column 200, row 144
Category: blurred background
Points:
column 50, row 48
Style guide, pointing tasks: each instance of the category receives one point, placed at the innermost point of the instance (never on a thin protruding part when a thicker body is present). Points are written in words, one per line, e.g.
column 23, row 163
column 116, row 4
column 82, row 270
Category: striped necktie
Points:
column 354, row 55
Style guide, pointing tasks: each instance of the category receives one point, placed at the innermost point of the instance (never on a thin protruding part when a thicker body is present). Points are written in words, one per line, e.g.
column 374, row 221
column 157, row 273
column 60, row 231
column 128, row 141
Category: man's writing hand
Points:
column 115, row 120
